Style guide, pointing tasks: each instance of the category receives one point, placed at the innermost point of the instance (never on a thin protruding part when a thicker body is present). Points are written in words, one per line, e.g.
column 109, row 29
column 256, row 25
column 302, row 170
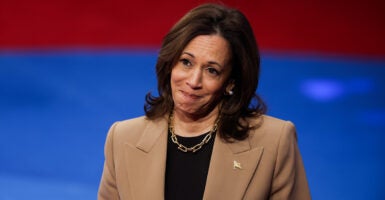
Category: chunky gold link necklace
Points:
column 196, row 147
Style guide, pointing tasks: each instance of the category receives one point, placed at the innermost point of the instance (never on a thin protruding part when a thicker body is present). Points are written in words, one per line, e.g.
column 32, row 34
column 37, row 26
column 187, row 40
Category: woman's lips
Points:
column 189, row 95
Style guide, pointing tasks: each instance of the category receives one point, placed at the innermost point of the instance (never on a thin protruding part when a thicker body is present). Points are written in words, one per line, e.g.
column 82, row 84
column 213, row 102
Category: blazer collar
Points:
column 151, row 133
column 231, row 168
column 146, row 161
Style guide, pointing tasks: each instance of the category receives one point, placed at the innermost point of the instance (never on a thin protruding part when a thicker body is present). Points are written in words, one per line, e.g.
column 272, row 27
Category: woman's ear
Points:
column 229, row 88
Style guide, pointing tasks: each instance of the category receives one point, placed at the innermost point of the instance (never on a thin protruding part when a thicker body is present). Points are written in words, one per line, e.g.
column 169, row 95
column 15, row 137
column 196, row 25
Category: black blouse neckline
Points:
column 186, row 172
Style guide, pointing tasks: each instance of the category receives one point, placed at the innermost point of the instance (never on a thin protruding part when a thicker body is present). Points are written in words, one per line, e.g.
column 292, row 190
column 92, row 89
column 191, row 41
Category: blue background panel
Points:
column 56, row 108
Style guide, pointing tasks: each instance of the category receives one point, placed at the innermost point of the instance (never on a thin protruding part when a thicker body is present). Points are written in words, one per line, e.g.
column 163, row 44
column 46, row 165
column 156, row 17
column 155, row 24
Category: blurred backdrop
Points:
column 69, row 69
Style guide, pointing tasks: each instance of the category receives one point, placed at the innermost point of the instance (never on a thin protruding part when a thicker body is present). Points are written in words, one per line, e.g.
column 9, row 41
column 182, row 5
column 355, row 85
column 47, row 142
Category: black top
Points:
column 186, row 173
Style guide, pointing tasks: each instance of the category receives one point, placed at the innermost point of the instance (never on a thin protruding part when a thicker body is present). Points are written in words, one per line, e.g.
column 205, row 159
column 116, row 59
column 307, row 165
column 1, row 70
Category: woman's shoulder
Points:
column 270, row 130
column 132, row 129
column 131, row 123
column 273, row 123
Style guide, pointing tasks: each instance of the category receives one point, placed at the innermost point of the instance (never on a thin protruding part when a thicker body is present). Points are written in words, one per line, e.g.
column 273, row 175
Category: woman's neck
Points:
column 190, row 126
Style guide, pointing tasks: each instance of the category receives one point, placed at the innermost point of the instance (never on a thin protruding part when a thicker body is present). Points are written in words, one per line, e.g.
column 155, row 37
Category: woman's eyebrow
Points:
column 190, row 54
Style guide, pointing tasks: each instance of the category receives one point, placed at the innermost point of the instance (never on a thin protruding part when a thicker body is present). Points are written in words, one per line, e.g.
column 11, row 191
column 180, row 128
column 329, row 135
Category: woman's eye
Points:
column 185, row 62
column 213, row 71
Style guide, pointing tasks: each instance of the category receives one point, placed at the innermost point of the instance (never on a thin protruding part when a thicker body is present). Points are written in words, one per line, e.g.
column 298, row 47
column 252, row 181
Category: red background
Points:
column 342, row 27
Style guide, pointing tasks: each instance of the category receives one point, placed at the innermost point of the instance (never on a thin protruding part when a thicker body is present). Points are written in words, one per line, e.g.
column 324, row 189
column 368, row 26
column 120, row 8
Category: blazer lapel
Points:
column 146, row 162
column 231, row 168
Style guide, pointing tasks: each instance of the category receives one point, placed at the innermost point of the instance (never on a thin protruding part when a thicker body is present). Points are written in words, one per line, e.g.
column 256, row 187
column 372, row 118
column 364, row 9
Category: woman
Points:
column 205, row 136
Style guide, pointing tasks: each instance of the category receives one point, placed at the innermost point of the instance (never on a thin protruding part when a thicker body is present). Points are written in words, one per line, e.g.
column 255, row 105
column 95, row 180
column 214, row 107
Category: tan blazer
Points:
column 270, row 163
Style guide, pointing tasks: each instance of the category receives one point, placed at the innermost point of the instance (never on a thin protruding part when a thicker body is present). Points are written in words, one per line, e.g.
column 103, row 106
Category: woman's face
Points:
column 197, row 79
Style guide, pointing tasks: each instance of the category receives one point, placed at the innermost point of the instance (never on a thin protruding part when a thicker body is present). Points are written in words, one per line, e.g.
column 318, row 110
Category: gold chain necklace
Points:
column 196, row 147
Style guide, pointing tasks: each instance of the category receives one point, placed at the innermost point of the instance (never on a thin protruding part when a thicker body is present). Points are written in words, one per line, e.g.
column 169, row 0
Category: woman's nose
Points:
column 195, row 79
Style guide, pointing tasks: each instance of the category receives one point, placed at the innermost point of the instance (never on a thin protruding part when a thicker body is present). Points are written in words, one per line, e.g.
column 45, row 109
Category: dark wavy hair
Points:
column 231, row 24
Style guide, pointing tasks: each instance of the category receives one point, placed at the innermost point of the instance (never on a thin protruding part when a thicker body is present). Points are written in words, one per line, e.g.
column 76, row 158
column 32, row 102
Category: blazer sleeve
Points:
column 289, row 179
column 108, row 188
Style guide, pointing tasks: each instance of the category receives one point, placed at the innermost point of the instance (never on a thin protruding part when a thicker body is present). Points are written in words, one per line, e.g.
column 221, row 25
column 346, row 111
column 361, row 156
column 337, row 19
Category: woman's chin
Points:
column 194, row 111
column 188, row 110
